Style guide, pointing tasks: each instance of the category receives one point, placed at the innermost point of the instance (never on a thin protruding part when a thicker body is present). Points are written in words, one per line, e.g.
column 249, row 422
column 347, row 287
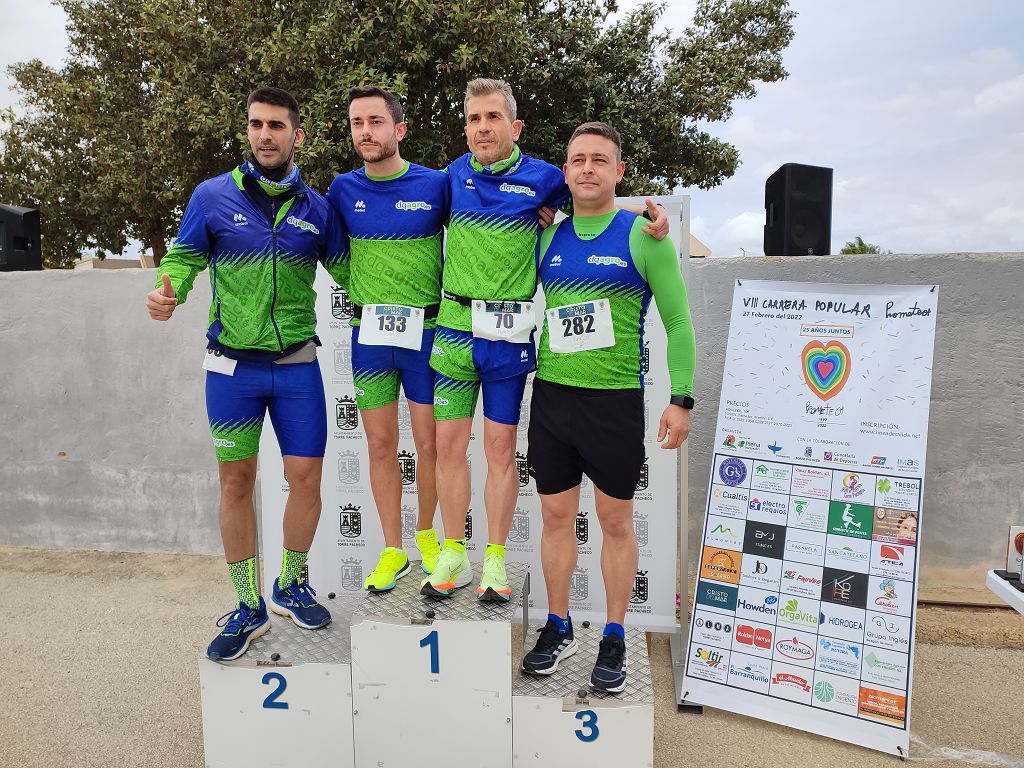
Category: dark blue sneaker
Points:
column 551, row 647
column 610, row 671
column 296, row 601
column 241, row 627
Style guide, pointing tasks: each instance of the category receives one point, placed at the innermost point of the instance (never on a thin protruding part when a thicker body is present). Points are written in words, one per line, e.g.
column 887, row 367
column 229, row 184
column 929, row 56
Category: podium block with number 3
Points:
column 556, row 726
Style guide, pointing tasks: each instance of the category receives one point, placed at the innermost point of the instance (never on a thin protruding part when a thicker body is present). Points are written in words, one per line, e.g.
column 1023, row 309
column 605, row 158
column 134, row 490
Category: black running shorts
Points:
column 575, row 430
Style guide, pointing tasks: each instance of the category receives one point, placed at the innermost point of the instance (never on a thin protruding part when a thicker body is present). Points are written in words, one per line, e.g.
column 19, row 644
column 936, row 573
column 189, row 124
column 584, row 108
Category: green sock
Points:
column 243, row 574
column 291, row 567
column 495, row 549
column 459, row 545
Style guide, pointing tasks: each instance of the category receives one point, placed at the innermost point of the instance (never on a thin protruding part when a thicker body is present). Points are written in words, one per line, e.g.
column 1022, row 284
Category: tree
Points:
column 151, row 100
column 859, row 246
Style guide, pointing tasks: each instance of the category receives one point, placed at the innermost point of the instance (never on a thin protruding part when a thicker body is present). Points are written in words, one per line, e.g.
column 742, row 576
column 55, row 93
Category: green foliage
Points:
column 859, row 246
column 151, row 100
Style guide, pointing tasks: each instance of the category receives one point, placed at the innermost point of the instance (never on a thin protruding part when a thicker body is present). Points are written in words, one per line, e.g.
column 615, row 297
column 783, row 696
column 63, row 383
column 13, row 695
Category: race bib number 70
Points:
column 580, row 327
column 503, row 320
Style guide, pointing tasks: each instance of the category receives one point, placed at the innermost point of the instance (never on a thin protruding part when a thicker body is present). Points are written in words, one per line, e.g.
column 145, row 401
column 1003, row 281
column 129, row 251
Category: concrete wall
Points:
column 104, row 443
column 103, row 435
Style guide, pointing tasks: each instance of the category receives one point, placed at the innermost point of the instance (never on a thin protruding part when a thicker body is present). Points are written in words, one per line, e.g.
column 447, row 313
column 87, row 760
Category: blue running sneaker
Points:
column 551, row 648
column 296, row 602
column 241, row 627
column 610, row 671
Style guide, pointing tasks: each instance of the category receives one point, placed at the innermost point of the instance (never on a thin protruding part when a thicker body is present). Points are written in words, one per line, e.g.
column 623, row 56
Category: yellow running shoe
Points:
column 426, row 542
column 494, row 582
column 392, row 566
column 451, row 572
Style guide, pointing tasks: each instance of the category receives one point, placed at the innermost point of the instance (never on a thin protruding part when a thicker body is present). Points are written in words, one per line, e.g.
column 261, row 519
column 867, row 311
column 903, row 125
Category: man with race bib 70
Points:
column 599, row 271
column 484, row 339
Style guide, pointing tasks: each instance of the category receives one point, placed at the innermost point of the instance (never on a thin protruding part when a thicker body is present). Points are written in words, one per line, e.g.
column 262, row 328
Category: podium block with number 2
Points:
column 256, row 715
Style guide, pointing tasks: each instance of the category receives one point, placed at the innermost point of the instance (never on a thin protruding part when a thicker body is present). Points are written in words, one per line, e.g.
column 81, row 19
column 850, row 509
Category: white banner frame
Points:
column 763, row 441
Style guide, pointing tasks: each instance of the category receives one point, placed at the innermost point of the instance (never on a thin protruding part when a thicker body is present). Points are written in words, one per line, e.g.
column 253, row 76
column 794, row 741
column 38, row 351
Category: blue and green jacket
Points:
column 261, row 246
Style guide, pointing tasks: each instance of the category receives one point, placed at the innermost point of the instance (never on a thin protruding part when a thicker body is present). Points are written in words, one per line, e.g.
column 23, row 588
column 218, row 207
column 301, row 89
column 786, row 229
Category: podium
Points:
column 1007, row 587
column 395, row 674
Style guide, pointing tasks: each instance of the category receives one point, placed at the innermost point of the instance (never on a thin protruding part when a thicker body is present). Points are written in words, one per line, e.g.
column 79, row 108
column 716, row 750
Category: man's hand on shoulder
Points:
column 162, row 301
column 547, row 216
column 675, row 424
column 658, row 228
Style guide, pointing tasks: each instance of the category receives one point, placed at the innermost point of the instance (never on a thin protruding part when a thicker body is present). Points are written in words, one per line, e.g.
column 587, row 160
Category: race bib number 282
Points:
column 580, row 327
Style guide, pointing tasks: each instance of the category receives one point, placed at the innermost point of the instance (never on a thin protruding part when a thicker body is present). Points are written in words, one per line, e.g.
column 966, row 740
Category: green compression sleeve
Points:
column 657, row 261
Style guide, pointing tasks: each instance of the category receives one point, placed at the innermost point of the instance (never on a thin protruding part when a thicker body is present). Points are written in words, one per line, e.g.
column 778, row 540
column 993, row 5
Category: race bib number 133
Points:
column 392, row 325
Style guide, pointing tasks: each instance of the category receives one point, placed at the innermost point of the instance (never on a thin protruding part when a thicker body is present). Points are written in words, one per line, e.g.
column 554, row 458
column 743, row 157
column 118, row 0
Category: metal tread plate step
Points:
column 573, row 674
column 294, row 645
column 406, row 602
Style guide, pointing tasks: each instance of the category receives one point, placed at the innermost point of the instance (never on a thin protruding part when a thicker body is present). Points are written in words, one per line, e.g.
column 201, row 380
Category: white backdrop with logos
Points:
column 349, row 539
column 807, row 584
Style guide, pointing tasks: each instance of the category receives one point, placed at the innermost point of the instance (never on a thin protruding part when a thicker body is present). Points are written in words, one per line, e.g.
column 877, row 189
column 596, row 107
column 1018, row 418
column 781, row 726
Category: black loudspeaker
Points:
column 798, row 211
column 19, row 239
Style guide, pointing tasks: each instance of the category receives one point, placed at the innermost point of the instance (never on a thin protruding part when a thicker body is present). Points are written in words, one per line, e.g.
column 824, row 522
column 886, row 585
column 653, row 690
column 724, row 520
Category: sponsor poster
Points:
column 349, row 540
column 805, row 602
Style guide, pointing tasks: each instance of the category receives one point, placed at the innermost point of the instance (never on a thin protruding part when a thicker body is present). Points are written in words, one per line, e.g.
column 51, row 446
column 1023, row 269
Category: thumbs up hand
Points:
column 162, row 301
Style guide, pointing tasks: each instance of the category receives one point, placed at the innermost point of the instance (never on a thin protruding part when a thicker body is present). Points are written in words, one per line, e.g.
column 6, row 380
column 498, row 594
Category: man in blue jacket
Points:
column 261, row 231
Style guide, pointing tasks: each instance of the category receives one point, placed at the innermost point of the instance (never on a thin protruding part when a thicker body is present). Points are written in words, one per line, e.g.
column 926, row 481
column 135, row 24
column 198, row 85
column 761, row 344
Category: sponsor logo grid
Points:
column 805, row 588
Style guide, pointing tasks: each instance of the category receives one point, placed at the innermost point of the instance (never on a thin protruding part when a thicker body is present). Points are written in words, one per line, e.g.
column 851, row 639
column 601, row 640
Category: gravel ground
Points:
column 118, row 684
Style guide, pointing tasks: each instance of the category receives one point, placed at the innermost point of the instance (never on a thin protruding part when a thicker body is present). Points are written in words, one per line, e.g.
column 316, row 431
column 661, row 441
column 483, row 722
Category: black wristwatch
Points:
column 647, row 215
column 683, row 401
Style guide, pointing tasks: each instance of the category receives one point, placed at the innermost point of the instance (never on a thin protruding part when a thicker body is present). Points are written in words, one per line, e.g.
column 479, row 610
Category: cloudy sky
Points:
column 918, row 105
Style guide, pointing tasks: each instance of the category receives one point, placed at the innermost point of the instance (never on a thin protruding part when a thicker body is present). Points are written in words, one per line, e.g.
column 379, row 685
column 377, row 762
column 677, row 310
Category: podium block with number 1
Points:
column 423, row 668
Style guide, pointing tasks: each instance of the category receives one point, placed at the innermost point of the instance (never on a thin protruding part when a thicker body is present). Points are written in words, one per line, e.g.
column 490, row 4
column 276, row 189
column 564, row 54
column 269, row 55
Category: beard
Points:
column 378, row 152
column 492, row 154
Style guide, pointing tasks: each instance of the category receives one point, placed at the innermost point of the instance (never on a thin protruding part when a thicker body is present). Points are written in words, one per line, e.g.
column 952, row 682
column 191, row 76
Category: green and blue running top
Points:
column 261, row 242
column 494, row 228
column 584, row 258
column 395, row 226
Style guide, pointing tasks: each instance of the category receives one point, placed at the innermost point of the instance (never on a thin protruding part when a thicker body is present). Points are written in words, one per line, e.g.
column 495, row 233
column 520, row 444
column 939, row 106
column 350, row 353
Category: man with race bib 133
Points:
column 395, row 212
column 599, row 271
column 261, row 231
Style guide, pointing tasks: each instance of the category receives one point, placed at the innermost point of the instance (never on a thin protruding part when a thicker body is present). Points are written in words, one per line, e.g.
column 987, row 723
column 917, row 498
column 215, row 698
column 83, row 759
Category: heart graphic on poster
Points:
column 826, row 368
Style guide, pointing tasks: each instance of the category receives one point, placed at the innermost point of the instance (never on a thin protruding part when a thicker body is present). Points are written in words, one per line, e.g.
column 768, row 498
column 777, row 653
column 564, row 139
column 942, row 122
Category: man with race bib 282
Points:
column 599, row 271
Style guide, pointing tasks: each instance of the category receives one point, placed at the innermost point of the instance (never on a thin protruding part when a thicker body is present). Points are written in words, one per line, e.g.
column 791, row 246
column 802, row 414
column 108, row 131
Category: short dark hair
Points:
column 367, row 91
column 277, row 97
column 598, row 129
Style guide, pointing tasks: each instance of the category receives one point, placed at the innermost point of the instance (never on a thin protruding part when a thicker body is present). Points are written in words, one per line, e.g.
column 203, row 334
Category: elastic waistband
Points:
column 591, row 391
column 259, row 355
